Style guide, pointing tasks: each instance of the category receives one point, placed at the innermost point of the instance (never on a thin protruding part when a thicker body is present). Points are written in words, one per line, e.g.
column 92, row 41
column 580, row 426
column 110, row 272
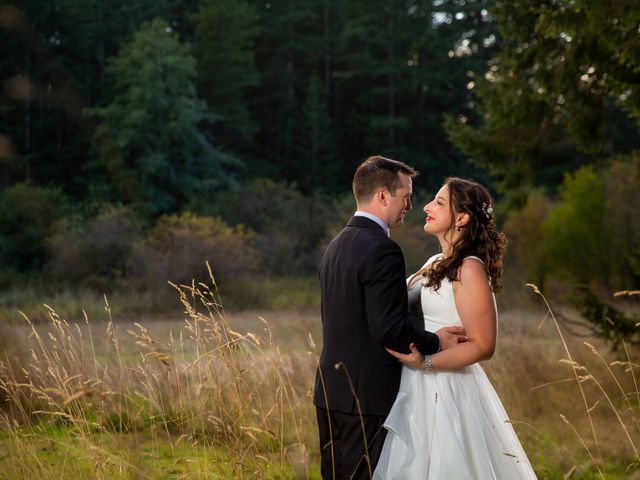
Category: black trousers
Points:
column 342, row 444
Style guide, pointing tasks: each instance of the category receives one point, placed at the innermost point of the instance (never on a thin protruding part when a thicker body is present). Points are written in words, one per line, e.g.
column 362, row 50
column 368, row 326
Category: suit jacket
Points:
column 364, row 306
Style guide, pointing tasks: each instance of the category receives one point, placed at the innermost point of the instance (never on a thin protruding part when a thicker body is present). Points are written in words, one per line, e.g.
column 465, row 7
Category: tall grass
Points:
column 220, row 403
column 574, row 403
column 211, row 401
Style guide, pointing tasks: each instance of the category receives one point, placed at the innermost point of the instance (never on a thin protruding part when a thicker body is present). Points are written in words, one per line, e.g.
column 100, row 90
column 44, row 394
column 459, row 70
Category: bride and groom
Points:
column 436, row 417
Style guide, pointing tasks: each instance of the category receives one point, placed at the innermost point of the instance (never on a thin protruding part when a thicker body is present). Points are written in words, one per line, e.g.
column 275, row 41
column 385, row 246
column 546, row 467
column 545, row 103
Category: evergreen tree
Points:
column 225, row 33
column 52, row 67
column 33, row 117
column 292, row 45
column 318, row 152
column 388, row 72
column 405, row 64
column 92, row 31
column 150, row 144
column 560, row 92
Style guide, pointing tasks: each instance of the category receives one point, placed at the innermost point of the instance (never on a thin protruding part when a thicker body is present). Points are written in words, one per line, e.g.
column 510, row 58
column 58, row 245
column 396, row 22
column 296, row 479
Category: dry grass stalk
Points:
column 611, row 392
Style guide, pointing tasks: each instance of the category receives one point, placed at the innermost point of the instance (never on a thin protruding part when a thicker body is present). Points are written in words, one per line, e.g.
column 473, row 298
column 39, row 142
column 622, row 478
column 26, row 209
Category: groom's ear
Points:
column 381, row 196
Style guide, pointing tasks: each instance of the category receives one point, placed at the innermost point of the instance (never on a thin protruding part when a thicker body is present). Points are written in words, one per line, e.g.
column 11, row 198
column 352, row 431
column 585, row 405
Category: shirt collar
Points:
column 370, row 216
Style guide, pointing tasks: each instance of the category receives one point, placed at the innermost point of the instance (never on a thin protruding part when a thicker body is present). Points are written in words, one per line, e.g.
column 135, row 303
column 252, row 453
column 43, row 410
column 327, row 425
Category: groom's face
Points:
column 399, row 203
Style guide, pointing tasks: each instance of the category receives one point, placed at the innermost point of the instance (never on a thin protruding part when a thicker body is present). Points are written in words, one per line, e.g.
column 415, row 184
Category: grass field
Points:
column 213, row 395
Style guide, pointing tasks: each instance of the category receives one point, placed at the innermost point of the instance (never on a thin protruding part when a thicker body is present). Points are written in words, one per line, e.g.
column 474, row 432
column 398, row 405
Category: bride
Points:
column 447, row 421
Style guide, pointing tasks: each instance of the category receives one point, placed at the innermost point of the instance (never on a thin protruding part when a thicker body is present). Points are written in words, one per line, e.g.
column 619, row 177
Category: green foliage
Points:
column 522, row 228
column 386, row 75
column 27, row 215
column 561, row 90
column 303, row 91
column 52, row 67
column 609, row 322
column 574, row 241
column 516, row 139
column 151, row 148
column 93, row 31
column 319, row 162
column 622, row 187
column 409, row 68
column 591, row 235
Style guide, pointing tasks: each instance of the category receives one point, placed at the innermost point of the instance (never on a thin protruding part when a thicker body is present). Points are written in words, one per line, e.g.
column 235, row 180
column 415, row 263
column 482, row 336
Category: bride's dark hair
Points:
column 479, row 236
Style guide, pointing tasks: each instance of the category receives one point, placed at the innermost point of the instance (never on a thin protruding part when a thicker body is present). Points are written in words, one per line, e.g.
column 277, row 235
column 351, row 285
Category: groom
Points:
column 364, row 309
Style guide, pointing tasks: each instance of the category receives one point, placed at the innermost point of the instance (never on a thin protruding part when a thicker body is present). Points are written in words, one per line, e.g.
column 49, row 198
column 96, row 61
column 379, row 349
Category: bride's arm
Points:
column 477, row 310
column 476, row 307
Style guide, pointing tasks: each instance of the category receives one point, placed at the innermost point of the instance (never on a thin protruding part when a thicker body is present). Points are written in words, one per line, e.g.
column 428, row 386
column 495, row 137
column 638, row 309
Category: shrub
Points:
column 622, row 194
column 27, row 214
column 592, row 235
column 94, row 250
column 178, row 246
column 522, row 228
column 574, row 243
column 289, row 227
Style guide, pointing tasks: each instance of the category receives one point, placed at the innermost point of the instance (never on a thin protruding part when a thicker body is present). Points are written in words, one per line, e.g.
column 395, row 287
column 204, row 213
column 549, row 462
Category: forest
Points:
column 235, row 126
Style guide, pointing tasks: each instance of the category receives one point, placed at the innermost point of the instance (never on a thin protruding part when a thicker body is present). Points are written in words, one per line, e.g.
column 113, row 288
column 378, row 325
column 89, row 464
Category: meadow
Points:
column 210, row 394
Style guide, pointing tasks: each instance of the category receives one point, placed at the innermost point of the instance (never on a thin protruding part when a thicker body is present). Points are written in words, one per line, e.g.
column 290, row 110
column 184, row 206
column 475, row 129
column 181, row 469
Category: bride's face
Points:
column 438, row 212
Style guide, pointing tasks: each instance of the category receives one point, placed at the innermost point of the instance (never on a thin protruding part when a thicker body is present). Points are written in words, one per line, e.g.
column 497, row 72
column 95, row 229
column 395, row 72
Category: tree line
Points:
column 97, row 96
column 150, row 117
column 176, row 106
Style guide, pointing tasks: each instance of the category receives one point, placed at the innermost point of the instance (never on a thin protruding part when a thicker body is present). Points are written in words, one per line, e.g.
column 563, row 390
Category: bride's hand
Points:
column 414, row 359
column 451, row 336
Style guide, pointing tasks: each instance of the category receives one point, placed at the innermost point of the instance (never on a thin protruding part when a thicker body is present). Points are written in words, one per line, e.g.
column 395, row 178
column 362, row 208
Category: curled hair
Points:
column 376, row 172
column 479, row 236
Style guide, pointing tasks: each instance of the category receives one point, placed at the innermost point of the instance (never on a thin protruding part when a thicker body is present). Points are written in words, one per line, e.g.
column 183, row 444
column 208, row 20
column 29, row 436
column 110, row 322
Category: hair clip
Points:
column 487, row 210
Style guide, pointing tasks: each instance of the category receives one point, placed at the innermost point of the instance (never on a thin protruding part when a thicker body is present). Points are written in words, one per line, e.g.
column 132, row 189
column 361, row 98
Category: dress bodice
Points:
column 438, row 306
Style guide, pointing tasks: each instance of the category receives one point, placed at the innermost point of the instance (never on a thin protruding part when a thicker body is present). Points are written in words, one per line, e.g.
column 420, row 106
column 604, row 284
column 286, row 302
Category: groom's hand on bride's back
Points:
column 451, row 336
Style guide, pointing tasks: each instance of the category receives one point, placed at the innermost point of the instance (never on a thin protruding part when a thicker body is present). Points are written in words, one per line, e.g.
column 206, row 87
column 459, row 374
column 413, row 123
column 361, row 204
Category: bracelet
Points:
column 428, row 363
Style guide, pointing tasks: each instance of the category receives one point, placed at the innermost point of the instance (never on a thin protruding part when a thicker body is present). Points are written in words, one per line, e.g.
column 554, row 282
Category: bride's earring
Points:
column 457, row 228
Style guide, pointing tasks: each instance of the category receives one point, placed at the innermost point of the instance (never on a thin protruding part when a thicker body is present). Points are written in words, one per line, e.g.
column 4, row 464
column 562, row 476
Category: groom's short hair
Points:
column 376, row 172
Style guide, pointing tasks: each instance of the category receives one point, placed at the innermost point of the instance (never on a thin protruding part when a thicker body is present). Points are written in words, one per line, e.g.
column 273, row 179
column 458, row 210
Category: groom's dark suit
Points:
column 364, row 306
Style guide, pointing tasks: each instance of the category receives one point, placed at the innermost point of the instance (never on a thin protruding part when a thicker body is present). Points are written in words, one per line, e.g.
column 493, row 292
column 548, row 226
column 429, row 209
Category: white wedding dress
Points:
column 449, row 424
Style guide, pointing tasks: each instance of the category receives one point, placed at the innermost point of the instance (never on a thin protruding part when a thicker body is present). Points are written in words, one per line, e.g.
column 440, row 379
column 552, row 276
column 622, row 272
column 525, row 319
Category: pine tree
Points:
column 401, row 67
column 297, row 39
column 52, row 67
column 150, row 144
column 225, row 33
column 317, row 149
column 561, row 91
